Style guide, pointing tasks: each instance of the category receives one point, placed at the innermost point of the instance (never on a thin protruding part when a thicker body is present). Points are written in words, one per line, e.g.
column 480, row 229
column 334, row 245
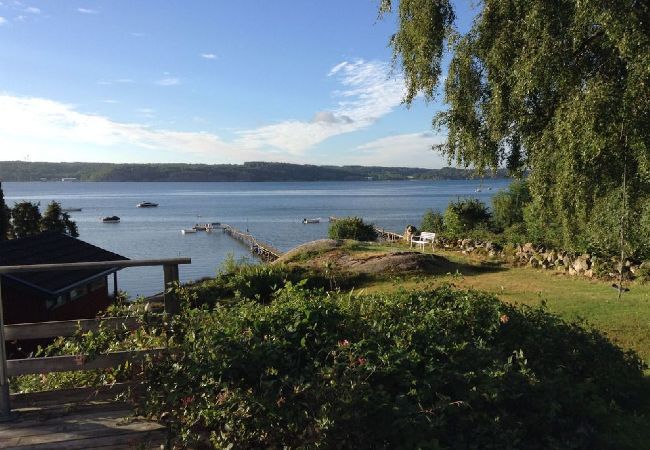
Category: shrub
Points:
column 352, row 228
column 432, row 221
column 465, row 215
column 439, row 369
column 508, row 206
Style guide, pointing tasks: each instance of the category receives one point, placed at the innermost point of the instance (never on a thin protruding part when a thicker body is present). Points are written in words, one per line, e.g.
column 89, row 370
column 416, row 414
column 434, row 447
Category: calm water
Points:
column 271, row 211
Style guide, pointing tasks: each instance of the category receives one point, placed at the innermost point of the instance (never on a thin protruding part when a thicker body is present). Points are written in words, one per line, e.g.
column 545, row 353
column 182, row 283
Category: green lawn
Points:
column 626, row 322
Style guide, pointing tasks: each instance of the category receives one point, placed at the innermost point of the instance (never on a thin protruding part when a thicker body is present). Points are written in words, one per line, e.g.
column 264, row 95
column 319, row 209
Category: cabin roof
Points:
column 53, row 248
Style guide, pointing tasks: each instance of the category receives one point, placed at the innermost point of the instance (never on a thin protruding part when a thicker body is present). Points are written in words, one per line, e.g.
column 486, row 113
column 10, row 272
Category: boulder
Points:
column 581, row 264
column 528, row 247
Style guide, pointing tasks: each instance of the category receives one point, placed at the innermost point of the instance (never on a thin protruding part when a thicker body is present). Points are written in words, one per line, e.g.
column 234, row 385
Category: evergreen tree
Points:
column 5, row 214
column 25, row 219
column 56, row 220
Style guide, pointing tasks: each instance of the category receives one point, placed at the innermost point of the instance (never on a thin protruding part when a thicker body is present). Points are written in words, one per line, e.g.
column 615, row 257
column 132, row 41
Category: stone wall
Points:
column 536, row 256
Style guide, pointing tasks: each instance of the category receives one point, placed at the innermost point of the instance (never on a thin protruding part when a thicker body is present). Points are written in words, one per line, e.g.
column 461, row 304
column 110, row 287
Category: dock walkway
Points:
column 265, row 251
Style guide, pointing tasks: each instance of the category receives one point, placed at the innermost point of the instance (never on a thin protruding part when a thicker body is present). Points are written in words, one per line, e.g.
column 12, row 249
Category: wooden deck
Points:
column 91, row 426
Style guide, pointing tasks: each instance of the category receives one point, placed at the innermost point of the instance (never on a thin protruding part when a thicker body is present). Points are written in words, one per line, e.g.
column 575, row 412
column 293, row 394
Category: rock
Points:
column 528, row 247
column 533, row 262
column 589, row 273
column 581, row 264
column 572, row 271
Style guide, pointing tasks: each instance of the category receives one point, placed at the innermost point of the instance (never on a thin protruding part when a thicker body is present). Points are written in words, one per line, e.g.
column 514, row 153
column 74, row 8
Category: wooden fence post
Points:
column 5, row 403
column 170, row 272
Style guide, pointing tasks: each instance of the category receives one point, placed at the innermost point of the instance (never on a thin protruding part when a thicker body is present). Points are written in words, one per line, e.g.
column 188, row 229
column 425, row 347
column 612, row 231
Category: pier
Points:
column 265, row 251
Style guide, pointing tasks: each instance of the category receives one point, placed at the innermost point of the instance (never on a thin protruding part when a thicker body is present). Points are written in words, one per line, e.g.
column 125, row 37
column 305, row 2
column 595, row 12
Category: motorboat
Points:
column 70, row 209
column 146, row 205
column 311, row 220
column 110, row 219
column 188, row 231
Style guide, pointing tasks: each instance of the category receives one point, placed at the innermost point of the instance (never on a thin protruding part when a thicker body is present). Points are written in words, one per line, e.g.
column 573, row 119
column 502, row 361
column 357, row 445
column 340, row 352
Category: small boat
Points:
column 146, row 205
column 311, row 220
column 478, row 190
column 188, row 231
column 110, row 219
column 70, row 209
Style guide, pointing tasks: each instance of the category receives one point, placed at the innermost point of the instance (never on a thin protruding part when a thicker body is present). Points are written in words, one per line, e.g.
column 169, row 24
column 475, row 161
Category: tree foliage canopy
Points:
column 558, row 88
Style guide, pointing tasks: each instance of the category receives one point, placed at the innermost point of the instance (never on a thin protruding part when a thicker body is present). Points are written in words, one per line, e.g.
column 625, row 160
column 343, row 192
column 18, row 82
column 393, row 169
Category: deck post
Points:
column 5, row 403
column 170, row 272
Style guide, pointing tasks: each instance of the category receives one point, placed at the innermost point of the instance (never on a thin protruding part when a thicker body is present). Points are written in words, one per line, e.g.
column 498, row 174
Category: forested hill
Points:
column 249, row 171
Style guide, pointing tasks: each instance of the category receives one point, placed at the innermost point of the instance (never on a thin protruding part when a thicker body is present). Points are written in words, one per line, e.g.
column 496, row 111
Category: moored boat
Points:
column 70, row 209
column 188, row 231
column 311, row 220
column 110, row 219
column 146, row 205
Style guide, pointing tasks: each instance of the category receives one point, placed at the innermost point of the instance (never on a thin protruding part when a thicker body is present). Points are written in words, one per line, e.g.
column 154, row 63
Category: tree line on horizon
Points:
column 249, row 171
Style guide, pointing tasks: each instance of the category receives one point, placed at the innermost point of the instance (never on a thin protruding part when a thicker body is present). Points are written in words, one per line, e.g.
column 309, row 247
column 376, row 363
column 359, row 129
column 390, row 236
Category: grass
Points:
column 626, row 322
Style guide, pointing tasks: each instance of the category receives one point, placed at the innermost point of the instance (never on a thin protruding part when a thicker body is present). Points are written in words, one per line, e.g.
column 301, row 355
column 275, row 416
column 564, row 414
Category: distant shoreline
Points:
column 246, row 172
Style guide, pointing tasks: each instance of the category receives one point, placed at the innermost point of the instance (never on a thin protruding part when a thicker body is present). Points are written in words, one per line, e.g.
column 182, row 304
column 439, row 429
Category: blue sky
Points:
column 207, row 81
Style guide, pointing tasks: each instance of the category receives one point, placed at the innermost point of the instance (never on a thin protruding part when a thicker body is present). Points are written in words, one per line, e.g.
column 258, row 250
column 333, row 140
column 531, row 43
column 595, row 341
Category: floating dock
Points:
column 265, row 251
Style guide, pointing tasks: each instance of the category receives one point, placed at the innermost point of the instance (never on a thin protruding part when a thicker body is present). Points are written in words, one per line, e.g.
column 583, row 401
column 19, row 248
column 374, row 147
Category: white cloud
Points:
column 110, row 101
column 87, row 11
column 169, row 81
column 36, row 126
column 368, row 94
column 32, row 10
column 2, row 21
column 208, row 56
column 401, row 150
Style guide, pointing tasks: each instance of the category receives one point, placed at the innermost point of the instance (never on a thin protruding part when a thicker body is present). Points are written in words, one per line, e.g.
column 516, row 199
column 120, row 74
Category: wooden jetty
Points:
column 81, row 418
column 265, row 251
column 384, row 235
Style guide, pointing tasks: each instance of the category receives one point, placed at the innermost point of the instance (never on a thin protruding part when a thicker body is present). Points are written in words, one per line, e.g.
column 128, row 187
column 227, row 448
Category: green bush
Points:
column 439, row 369
column 243, row 280
column 432, row 221
column 352, row 228
column 465, row 215
column 508, row 206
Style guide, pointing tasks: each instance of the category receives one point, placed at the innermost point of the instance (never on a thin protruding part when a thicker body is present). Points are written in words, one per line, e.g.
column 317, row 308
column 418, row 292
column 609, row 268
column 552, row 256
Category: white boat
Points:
column 311, row 220
column 188, row 231
column 146, row 205
column 110, row 219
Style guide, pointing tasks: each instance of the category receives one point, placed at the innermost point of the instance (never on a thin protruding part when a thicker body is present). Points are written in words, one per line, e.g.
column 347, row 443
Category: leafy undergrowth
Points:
column 436, row 369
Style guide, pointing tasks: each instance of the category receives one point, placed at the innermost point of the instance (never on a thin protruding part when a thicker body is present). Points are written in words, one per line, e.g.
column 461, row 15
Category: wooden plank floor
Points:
column 100, row 426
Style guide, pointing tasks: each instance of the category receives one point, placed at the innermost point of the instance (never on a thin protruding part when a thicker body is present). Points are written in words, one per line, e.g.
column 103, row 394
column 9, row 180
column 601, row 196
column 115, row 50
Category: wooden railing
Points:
column 23, row 331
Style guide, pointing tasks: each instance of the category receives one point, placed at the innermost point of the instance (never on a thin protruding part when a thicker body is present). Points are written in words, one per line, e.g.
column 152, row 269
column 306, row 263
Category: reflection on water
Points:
column 273, row 212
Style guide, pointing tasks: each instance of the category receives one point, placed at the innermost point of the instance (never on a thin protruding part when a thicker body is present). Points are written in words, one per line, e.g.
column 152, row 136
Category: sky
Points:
column 208, row 81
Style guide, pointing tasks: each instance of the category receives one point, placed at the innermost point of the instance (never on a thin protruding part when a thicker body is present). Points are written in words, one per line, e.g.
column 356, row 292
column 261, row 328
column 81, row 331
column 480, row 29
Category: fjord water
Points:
column 272, row 212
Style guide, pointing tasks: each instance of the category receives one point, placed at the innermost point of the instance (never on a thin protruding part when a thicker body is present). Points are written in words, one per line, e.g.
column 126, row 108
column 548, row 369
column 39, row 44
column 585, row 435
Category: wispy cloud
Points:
column 169, row 81
column 32, row 10
column 87, row 11
column 367, row 94
column 108, row 82
column 3, row 21
column 208, row 56
column 137, row 34
column 25, row 121
column 110, row 101
column 404, row 150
